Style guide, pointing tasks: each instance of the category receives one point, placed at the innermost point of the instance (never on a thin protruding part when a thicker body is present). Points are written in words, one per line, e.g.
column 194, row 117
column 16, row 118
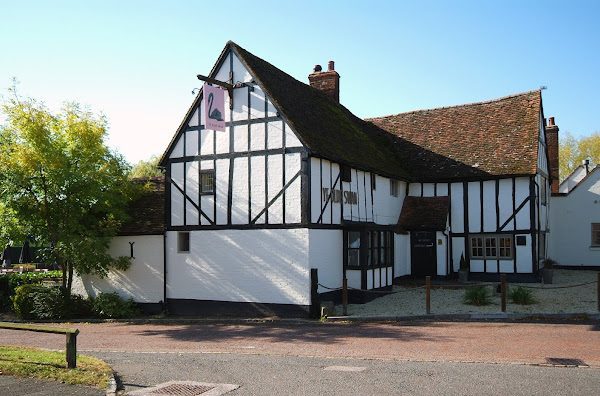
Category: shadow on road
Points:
column 326, row 334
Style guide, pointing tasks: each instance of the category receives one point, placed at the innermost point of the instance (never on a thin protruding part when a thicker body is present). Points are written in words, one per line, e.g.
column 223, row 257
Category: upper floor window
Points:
column 207, row 181
column 394, row 187
column 345, row 173
column 595, row 234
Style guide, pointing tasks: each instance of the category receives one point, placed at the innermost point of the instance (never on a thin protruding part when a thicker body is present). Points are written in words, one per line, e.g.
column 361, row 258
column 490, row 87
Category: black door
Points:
column 423, row 253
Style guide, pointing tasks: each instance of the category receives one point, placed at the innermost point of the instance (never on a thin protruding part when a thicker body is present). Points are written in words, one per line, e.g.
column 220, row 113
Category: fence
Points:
column 428, row 287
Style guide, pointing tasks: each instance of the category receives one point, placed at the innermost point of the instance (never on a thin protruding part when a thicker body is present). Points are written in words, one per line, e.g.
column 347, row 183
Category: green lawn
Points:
column 37, row 363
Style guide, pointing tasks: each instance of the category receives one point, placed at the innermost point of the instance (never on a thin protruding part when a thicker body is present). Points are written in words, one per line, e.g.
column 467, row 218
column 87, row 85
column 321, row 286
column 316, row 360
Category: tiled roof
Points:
column 474, row 141
column 147, row 212
column 496, row 138
column 423, row 213
column 326, row 127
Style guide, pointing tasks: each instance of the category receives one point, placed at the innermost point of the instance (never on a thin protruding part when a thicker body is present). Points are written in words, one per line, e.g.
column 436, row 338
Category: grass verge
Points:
column 37, row 363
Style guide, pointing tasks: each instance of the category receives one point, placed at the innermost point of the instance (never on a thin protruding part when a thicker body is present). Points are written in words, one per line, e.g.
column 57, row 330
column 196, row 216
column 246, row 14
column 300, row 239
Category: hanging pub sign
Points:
column 214, row 108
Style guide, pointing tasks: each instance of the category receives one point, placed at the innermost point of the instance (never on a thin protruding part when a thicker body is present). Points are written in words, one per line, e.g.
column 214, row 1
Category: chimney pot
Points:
column 327, row 82
column 551, row 121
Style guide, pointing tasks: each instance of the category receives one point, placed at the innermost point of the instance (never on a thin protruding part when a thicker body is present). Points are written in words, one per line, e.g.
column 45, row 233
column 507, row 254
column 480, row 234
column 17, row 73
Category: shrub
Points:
column 49, row 303
column 41, row 302
column 477, row 295
column 520, row 295
column 111, row 305
column 4, row 294
column 27, row 278
column 549, row 263
column 23, row 301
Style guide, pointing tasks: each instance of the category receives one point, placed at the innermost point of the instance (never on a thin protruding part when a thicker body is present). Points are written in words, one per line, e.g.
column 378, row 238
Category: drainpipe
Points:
column 165, row 309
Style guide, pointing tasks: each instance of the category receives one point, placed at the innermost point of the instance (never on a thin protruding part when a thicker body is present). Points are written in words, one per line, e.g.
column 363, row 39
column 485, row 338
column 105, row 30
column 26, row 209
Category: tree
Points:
column 60, row 184
column 144, row 169
column 573, row 151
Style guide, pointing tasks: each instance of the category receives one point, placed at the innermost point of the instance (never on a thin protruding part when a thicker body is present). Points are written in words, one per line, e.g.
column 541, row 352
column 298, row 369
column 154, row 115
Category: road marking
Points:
column 344, row 368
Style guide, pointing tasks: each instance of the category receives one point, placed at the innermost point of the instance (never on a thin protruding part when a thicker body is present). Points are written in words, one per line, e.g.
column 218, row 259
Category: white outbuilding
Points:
column 575, row 220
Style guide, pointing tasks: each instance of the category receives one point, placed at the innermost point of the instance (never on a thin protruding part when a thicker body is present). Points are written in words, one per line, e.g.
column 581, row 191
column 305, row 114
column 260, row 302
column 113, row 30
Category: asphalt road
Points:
column 289, row 375
column 394, row 358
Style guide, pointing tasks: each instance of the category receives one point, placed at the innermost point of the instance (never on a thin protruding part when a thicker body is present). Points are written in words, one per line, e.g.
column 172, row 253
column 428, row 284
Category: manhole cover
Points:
column 182, row 390
column 185, row 388
column 565, row 361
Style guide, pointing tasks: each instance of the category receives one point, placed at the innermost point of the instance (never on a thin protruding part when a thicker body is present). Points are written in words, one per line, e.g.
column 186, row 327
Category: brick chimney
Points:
column 552, row 144
column 326, row 81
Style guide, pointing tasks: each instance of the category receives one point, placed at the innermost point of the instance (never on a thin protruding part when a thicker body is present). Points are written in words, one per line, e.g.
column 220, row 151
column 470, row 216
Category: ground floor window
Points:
column 369, row 248
column 183, row 242
column 353, row 249
column 492, row 247
column 595, row 234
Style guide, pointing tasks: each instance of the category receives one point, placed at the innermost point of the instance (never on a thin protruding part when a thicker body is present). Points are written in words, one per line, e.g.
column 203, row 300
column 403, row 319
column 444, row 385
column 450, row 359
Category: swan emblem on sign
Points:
column 213, row 114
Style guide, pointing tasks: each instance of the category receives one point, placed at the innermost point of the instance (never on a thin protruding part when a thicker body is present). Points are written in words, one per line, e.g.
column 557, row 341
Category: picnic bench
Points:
column 71, row 349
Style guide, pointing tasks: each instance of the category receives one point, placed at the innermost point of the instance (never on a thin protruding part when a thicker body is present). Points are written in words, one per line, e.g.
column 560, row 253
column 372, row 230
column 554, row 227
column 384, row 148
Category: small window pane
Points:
column 354, row 240
column 353, row 258
column 595, row 234
column 393, row 188
column 476, row 247
column 207, row 182
column 490, row 247
column 505, row 247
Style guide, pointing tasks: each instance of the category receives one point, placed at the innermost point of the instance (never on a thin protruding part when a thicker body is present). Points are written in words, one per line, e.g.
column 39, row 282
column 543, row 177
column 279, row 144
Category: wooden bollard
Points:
column 71, row 350
column 345, row 296
column 428, row 294
column 503, row 291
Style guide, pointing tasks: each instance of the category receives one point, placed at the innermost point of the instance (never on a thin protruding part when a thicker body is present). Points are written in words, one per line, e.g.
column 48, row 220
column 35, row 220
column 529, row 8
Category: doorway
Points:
column 423, row 253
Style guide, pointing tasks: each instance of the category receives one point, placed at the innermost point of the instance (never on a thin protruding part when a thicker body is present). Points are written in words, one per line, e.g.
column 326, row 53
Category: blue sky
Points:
column 136, row 61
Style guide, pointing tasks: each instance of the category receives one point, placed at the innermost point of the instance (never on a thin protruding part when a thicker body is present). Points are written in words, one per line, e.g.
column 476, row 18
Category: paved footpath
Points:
column 371, row 358
column 426, row 341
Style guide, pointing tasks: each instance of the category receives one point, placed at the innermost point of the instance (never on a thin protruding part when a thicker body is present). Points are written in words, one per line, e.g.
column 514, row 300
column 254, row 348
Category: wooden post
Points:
column 315, row 305
column 503, row 291
column 345, row 296
column 71, row 350
column 428, row 294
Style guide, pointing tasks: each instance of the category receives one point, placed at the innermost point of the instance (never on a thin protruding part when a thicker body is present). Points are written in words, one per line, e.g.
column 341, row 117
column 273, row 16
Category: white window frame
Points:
column 493, row 246
column 203, row 189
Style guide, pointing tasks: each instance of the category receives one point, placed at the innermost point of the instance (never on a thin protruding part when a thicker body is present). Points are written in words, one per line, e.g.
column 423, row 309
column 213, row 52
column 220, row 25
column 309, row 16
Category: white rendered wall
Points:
column 265, row 266
column 402, row 255
column 326, row 254
column 370, row 205
column 257, row 177
column 571, row 219
column 441, row 251
column 143, row 281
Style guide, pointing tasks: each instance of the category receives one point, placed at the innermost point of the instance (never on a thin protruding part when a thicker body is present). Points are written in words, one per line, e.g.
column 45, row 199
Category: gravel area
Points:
column 407, row 301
